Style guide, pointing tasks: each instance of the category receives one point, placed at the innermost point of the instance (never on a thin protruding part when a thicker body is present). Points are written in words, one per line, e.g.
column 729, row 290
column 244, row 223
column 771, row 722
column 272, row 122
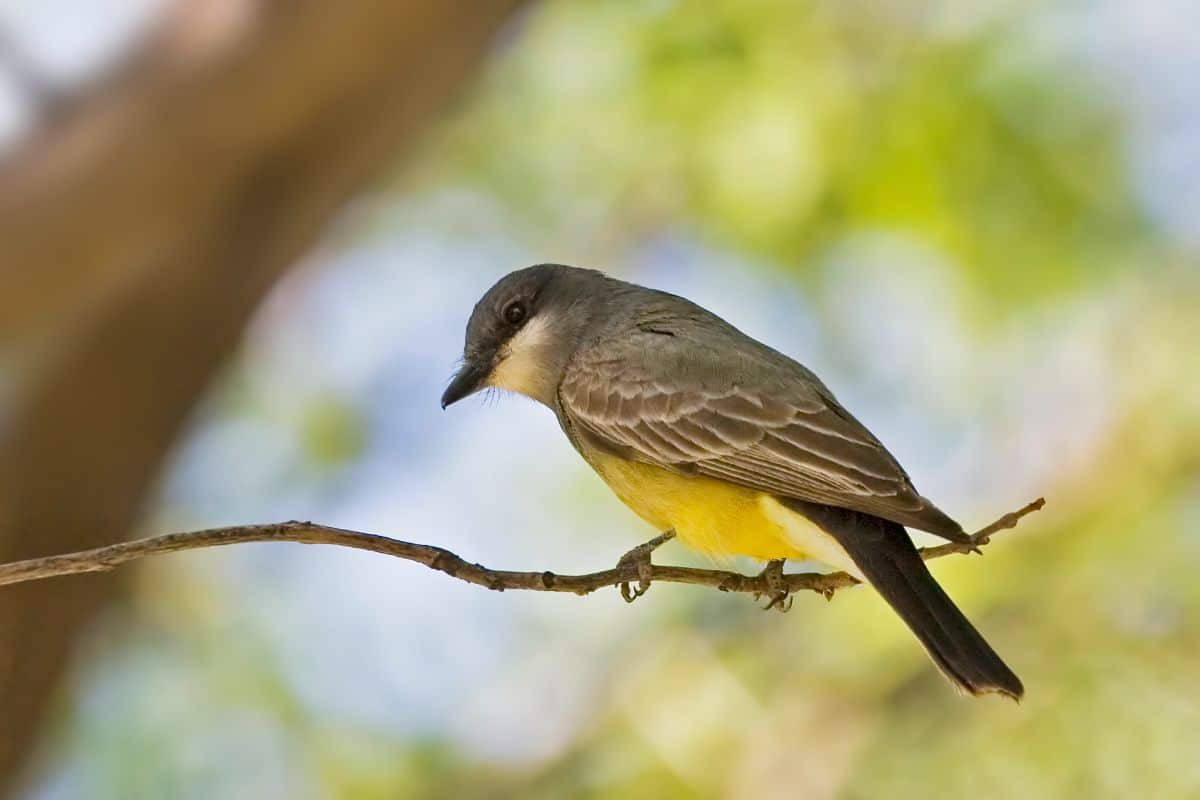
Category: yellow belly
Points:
column 712, row 516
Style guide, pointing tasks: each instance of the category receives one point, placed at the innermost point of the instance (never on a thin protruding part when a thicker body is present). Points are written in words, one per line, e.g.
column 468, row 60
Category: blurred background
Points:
column 239, row 242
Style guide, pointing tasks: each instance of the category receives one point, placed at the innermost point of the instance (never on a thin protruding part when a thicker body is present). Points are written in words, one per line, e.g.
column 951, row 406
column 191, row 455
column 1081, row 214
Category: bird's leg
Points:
column 779, row 597
column 639, row 557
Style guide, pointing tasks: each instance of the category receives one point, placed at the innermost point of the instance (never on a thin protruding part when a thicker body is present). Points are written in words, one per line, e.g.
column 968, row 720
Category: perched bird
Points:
column 733, row 446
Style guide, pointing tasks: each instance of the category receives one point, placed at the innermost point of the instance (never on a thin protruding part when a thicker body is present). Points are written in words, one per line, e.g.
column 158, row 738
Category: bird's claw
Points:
column 779, row 596
column 639, row 559
column 781, row 602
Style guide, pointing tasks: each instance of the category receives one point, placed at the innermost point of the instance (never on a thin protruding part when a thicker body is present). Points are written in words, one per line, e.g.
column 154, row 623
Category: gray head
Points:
column 524, row 329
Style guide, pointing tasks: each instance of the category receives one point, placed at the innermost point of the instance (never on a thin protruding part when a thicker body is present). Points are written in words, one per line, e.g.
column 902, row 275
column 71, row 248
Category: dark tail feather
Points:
column 888, row 559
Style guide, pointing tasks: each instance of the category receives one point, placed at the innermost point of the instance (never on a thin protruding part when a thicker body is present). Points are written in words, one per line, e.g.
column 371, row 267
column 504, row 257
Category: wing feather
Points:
column 774, row 428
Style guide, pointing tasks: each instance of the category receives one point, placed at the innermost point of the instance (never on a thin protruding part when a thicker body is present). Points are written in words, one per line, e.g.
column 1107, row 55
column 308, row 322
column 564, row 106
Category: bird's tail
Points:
column 888, row 560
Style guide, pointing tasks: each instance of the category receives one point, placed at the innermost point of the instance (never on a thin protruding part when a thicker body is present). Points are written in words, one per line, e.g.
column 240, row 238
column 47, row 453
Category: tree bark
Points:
column 140, row 232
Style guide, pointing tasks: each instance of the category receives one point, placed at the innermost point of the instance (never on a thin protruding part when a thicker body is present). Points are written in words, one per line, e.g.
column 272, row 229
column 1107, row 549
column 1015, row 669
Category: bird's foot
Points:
column 639, row 559
column 779, row 596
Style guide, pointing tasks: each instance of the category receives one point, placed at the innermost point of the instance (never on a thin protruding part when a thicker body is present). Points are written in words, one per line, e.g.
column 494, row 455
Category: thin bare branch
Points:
column 103, row 559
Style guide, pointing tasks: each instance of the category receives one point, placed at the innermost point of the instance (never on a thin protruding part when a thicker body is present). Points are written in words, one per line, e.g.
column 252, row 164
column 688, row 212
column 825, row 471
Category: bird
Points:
column 720, row 440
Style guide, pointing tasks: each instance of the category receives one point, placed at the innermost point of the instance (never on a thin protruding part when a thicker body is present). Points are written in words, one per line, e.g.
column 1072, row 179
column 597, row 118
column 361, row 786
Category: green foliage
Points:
column 332, row 431
column 778, row 128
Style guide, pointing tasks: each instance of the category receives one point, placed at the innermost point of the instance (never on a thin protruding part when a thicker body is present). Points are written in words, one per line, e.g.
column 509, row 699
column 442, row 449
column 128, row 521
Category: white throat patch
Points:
column 522, row 365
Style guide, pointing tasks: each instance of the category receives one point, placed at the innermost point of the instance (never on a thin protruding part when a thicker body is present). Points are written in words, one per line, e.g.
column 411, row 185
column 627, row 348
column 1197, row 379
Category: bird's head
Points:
column 523, row 330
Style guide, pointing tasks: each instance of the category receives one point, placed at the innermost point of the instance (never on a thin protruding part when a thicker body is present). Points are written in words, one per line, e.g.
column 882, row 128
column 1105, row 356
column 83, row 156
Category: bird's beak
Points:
column 467, row 381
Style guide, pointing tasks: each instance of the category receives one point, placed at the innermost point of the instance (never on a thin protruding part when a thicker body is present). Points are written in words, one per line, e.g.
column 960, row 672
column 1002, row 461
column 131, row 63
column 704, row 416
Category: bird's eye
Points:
column 514, row 313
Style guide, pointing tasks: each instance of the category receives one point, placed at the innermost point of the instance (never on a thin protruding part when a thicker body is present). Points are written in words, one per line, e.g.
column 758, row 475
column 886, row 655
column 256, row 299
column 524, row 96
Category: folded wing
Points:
column 750, row 416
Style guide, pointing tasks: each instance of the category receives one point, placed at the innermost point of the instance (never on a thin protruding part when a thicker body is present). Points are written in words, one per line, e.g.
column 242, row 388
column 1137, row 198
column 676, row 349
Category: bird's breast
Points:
column 715, row 517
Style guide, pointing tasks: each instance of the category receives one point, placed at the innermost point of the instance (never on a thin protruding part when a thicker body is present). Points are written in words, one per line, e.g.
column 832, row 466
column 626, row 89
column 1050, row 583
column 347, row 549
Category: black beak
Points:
column 466, row 382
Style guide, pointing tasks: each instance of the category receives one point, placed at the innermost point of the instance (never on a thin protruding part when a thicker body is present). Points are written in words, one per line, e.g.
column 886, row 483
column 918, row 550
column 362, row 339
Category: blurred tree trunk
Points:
column 141, row 229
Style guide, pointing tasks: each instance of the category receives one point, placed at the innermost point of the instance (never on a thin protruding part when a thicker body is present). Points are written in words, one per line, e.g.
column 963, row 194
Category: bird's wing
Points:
column 674, row 397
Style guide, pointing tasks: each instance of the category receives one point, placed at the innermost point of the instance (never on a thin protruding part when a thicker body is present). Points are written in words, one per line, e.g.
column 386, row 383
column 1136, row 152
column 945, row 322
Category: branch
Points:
column 103, row 559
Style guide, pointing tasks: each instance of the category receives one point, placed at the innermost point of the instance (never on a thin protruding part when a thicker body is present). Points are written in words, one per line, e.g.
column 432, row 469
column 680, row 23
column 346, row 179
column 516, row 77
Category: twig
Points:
column 103, row 559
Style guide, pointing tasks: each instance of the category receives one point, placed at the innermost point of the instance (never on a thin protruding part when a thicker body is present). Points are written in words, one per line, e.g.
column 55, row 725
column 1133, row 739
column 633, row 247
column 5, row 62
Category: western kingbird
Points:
column 732, row 445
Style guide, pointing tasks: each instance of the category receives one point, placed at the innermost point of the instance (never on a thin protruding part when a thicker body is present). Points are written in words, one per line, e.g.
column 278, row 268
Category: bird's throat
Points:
column 524, row 364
